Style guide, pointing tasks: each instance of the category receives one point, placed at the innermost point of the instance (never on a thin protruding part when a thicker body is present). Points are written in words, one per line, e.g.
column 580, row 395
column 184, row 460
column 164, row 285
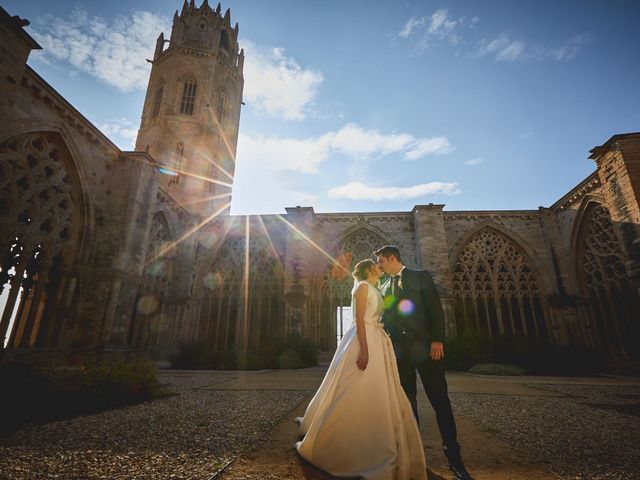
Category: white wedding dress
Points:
column 360, row 423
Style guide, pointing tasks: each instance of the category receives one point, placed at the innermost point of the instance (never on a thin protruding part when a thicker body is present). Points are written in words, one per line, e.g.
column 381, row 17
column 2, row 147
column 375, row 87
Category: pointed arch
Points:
column 77, row 171
column 586, row 203
column 330, row 286
column 496, row 285
column 228, row 298
column 178, row 163
column 611, row 302
column 42, row 217
column 151, row 322
column 225, row 42
column 157, row 99
column 189, row 94
column 532, row 257
column 333, row 247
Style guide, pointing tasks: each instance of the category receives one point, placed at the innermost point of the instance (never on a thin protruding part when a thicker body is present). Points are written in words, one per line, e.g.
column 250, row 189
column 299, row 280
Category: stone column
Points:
column 296, row 283
column 433, row 252
column 562, row 296
column 34, row 308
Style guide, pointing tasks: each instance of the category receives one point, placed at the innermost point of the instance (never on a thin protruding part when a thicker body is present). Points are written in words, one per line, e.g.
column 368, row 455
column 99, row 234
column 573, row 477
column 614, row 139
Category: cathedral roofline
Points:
column 16, row 25
column 577, row 192
column 609, row 144
column 59, row 99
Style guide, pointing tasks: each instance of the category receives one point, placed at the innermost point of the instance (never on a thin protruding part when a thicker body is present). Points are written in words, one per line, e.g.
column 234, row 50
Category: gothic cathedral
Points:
column 137, row 252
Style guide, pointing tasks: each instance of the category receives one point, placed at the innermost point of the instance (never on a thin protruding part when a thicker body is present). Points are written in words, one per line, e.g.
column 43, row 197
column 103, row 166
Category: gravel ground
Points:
column 592, row 432
column 188, row 436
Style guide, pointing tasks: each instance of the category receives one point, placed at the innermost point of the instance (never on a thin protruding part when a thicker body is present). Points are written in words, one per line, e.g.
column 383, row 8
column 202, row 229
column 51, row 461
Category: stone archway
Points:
column 496, row 289
column 40, row 228
column 612, row 302
column 238, row 310
column 153, row 321
column 331, row 288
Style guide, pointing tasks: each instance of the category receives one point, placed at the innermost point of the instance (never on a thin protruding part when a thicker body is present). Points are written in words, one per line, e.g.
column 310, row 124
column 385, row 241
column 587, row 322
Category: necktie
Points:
column 395, row 286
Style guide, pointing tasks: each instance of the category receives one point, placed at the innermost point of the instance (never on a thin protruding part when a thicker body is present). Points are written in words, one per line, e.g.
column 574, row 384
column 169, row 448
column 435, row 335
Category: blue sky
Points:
column 379, row 106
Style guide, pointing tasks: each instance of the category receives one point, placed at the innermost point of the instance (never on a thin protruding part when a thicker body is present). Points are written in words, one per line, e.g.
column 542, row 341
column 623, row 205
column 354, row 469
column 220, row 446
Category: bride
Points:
column 360, row 422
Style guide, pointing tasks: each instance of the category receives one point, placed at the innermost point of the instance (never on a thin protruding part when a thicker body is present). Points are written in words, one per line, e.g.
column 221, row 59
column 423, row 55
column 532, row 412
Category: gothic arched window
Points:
column 151, row 321
column 177, row 163
column 225, row 43
column 495, row 288
column 157, row 101
column 613, row 302
column 357, row 246
column 36, row 226
column 188, row 97
column 221, row 106
column 230, row 297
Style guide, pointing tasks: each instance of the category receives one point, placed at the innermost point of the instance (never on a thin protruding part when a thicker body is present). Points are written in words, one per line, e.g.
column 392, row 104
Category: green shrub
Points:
column 462, row 353
column 496, row 369
column 537, row 357
column 291, row 352
column 195, row 356
column 32, row 394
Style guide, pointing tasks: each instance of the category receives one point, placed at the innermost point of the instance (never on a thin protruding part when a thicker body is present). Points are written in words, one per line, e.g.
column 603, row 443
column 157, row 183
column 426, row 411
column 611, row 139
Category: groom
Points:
column 414, row 319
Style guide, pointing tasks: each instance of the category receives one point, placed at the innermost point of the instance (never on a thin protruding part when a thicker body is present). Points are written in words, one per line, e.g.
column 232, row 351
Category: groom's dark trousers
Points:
column 414, row 318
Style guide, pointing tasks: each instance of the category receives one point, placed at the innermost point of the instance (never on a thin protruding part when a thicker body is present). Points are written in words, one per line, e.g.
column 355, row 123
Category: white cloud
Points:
column 275, row 154
column 122, row 132
column 439, row 26
column 412, row 24
column 305, row 155
column 504, row 48
column 474, row 161
column 428, row 146
column 276, row 84
column 569, row 49
column 354, row 141
column 511, row 52
column 113, row 50
column 259, row 183
column 361, row 191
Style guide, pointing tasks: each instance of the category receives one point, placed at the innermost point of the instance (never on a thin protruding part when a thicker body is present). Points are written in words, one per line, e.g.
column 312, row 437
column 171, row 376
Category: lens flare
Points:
column 156, row 269
column 405, row 307
column 147, row 305
column 186, row 235
column 208, row 240
column 211, row 280
column 302, row 236
column 389, row 302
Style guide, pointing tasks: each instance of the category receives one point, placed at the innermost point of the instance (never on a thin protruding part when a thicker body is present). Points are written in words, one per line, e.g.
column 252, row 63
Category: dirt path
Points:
column 486, row 456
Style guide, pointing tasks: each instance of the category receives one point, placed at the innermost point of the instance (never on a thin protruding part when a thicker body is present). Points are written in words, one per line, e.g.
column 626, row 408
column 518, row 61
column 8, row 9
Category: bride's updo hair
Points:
column 361, row 270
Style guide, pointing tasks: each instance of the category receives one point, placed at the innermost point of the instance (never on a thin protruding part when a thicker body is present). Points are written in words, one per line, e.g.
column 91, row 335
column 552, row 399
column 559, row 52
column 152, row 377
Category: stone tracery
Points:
column 36, row 213
column 151, row 318
column 613, row 305
column 495, row 288
column 335, row 285
column 223, row 304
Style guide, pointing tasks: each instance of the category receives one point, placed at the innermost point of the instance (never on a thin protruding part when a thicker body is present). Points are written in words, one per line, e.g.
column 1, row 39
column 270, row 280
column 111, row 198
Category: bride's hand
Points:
column 363, row 358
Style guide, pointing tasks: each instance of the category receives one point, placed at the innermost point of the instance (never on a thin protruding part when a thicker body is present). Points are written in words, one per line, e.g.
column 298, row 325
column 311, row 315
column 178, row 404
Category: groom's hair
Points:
column 389, row 251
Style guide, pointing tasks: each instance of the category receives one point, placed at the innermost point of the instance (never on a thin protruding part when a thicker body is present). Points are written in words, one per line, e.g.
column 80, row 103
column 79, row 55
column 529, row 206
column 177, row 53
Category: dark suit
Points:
column 414, row 318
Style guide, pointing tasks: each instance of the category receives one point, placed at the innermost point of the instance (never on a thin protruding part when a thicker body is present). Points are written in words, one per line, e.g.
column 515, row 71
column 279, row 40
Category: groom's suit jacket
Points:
column 415, row 314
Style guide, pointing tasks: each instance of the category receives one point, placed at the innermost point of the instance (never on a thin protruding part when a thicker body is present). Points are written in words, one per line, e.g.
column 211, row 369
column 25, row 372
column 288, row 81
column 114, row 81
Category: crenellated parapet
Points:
column 203, row 30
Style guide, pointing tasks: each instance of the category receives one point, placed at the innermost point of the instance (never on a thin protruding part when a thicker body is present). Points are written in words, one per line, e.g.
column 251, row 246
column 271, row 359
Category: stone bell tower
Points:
column 191, row 111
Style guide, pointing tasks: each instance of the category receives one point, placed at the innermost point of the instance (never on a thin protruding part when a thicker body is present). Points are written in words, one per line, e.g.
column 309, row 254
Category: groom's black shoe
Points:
column 459, row 472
